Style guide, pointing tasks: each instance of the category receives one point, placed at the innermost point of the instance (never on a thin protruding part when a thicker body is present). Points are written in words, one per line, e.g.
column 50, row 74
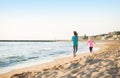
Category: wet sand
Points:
column 103, row 64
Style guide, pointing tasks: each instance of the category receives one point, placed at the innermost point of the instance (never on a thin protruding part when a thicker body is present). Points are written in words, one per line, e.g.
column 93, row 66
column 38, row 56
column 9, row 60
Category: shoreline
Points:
column 64, row 62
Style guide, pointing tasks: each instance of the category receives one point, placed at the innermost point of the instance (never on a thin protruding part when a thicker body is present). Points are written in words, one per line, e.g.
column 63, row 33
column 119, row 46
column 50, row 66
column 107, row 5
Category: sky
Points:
column 57, row 19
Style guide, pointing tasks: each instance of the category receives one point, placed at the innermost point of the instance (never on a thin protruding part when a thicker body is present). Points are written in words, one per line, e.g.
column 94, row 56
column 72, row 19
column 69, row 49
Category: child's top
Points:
column 90, row 43
column 75, row 40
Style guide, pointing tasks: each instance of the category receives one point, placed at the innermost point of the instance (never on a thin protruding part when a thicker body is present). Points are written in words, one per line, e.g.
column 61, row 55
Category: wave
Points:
column 42, row 50
column 15, row 60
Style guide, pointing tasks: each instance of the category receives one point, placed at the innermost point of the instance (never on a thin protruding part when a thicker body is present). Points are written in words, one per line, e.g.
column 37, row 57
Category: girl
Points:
column 91, row 43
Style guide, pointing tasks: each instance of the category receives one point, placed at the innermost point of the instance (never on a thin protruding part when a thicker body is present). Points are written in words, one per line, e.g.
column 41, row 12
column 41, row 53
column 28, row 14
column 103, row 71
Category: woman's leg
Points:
column 74, row 51
column 76, row 47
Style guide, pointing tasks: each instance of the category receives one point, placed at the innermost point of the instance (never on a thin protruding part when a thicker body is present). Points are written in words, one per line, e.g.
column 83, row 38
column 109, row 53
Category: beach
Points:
column 105, row 63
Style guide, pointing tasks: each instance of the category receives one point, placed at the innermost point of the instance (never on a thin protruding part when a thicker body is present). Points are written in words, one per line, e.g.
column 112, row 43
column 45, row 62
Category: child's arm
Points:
column 94, row 42
column 88, row 43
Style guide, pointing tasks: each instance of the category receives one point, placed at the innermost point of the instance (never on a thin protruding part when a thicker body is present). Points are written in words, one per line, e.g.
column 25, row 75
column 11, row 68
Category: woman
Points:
column 75, row 43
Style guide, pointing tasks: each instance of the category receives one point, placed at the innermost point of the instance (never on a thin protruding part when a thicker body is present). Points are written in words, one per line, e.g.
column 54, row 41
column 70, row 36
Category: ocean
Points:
column 15, row 55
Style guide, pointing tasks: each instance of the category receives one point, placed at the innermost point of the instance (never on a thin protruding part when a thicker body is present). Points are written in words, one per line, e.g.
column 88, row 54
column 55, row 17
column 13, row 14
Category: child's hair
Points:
column 90, row 38
column 75, row 33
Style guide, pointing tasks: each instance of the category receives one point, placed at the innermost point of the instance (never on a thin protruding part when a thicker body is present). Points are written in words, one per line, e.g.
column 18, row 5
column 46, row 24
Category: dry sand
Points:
column 103, row 64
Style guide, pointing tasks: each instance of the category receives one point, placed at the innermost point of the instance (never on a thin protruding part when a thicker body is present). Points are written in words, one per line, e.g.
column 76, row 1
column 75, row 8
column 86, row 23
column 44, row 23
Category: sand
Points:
column 103, row 64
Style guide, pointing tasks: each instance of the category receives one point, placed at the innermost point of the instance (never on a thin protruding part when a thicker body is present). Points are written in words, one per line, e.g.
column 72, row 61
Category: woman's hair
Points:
column 75, row 33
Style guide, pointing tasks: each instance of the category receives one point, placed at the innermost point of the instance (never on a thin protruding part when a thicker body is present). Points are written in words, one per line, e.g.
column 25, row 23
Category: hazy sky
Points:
column 57, row 19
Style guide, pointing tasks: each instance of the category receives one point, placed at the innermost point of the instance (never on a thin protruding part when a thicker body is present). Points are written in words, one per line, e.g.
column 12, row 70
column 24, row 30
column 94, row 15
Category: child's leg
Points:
column 91, row 50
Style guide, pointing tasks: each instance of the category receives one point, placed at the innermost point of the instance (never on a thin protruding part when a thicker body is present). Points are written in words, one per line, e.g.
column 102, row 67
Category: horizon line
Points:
column 31, row 40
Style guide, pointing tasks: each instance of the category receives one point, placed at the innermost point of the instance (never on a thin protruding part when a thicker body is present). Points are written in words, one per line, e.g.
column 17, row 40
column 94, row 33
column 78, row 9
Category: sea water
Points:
column 14, row 55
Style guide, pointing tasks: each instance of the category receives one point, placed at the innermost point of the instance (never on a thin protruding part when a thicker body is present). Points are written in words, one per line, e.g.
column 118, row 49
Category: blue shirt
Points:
column 75, row 40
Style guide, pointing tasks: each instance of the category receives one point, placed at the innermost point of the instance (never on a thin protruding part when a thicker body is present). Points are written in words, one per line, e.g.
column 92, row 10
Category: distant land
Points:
column 32, row 40
column 27, row 40
column 115, row 35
